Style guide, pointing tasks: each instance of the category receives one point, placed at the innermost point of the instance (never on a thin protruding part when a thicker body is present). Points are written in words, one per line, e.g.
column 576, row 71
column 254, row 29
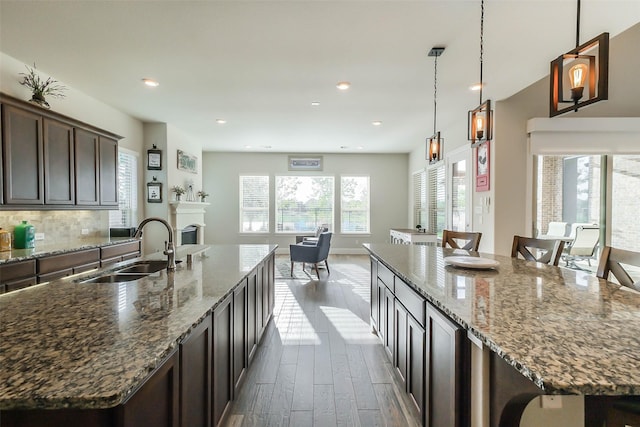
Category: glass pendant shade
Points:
column 435, row 148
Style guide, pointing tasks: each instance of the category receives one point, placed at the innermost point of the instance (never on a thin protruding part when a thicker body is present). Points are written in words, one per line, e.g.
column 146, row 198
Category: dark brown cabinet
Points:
column 400, row 358
column 57, row 266
column 59, row 175
column 415, row 362
column 156, row 402
column 375, row 304
column 388, row 336
column 119, row 252
column 55, row 162
column 239, row 334
column 447, row 373
column 17, row 275
column 222, row 383
column 22, row 146
column 195, row 376
column 252, row 314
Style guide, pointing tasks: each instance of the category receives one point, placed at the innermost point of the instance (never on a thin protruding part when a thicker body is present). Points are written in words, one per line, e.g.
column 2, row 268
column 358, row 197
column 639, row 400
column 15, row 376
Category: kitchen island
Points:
column 548, row 330
column 74, row 353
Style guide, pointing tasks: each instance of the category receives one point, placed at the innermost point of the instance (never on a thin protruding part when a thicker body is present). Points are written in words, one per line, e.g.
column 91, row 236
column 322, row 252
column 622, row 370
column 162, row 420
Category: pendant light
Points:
column 435, row 142
column 581, row 76
column 479, row 126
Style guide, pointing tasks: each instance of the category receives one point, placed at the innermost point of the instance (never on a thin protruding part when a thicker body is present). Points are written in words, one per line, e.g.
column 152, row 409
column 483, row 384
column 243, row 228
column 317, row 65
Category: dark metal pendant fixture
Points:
column 479, row 125
column 435, row 142
column 585, row 67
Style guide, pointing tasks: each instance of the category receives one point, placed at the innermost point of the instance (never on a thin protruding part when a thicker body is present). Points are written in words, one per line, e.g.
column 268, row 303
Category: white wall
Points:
column 389, row 194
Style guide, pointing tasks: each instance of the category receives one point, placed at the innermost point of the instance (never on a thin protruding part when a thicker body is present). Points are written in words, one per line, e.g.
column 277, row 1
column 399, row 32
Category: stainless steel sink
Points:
column 145, row 267
column 115, row 278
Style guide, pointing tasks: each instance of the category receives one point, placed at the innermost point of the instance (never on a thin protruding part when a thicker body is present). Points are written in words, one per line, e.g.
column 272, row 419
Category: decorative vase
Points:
column 178, row 197
column 203, row 199
column 38, row 99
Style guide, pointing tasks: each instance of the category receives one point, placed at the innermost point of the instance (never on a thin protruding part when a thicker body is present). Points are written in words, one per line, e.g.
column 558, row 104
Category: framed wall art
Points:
column 305, row 163
column 187, row 162
column 154, row 159
column 483, row 166
column 154, row 191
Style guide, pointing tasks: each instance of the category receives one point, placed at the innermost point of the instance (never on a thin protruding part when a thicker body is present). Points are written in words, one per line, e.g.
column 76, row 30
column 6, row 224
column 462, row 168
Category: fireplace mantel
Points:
column 184, row 214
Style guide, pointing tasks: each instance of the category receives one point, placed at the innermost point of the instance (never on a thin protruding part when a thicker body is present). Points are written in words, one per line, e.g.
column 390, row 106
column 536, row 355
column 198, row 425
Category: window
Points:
column 437, row 202
column 303, row 203
column 354, row 204
column 254, row 204
column 420, row 198
column 625, row 202
column 127, row 213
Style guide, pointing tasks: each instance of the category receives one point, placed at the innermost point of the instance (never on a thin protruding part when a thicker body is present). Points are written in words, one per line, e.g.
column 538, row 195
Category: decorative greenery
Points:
column 202, row 194
column 39, row 87
column 178, row 190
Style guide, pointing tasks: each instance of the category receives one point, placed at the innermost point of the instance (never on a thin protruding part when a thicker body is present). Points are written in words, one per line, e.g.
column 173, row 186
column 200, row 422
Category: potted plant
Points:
column 179, row 191
column 203, row 196
column 41, row 88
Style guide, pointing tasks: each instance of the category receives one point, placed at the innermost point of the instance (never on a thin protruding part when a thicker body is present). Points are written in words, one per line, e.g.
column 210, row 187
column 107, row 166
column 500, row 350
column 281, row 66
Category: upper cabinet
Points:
column 55, row 162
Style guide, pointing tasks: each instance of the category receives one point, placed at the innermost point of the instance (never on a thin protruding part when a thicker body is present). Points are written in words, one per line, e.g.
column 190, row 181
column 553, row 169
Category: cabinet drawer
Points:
column 17, row 270
column 54, row 263
column 114, row 251
column 386, row 276
column 20, row 284
column 414, row 303
column 86, row 267
column 55, row 275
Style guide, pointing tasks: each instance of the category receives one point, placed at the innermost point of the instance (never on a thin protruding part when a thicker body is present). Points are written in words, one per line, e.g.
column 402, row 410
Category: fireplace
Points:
column 187, row 220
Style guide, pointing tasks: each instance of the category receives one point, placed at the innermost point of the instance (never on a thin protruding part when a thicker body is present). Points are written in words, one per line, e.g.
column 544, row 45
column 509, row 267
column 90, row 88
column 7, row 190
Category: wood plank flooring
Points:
column 319, row 364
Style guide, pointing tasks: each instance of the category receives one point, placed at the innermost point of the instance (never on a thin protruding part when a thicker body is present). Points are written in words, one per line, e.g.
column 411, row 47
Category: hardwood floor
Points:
column 319, row 364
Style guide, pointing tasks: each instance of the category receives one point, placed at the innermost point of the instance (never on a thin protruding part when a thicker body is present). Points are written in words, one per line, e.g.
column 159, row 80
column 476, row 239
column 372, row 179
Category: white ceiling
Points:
column 260, row 64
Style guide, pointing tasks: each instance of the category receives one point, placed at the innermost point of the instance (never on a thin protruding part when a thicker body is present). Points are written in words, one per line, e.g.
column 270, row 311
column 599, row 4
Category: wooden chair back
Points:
column 468, row 239
column 612, row 260
column 549, row 250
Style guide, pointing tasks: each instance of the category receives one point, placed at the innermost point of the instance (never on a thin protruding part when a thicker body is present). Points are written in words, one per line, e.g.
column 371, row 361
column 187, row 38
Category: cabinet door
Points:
column 415, row 363
column 156, row 403
column 239, row 335
column 22, row 156
column 195, row 376
column 388, row 338
column 400, row 344
column 222, row 358
column 374, row 293
column 382, row 318
column 271, row 274
column 260, row 280
column 252, row 323
column 87, row 168
column 59, row 184
column 108, row 172
column 446, row 393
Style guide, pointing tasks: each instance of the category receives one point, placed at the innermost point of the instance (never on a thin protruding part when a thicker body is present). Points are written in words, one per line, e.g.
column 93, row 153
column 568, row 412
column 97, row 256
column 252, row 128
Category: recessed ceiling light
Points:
column 343, row 85
column 315, row 103
column 221, row 121
column 475, row 87
column 360, row 147
column 246, row 147
column 376, row 122
column 150, row 83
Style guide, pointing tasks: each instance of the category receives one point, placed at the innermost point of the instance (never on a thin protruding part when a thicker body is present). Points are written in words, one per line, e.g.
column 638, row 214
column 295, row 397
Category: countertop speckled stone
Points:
column 59, row 247
column 566, row 330
column 67, row 344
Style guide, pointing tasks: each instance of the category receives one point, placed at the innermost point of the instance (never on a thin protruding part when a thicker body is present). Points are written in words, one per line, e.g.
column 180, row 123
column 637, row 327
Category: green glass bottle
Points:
column 24, row 236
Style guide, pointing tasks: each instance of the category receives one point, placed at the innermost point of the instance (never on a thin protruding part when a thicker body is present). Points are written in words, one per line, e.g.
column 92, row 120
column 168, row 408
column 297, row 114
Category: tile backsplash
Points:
column 60, row 225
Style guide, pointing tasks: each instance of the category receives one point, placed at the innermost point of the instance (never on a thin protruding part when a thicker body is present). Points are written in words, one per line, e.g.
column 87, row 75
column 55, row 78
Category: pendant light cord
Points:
column 482, row 44
column 578, row 25
column 435, row 93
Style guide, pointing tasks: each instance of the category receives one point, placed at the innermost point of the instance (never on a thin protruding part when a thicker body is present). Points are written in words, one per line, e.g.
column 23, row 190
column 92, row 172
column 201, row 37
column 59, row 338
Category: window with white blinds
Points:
column 354, row 204
column 303, row 203
column 437, row 199
column 254, row 204
column 127, row 213
column 420, row 199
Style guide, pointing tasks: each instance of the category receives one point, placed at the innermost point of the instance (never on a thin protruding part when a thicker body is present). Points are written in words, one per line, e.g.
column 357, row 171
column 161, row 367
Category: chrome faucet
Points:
column 169, row 248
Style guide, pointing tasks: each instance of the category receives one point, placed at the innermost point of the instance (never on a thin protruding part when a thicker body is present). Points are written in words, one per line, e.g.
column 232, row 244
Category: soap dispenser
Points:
column 24, row 236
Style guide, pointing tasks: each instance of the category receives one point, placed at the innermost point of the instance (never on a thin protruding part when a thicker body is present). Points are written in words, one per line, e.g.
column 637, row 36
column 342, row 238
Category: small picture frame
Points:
column 154, row 191
column 154, row 159
column 483, row 166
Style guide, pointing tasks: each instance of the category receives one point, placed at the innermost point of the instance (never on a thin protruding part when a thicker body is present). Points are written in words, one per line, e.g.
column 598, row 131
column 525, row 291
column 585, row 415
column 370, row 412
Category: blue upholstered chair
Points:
column 314, row 254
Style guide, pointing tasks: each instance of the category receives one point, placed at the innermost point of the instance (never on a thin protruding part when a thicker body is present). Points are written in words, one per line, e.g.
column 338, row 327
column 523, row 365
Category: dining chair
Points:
column 613, row 260
column 468, row 239
column 583, row 246
column 547, row 251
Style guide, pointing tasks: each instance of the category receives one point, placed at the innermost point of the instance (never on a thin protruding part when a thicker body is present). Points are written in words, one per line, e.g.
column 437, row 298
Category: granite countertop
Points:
column 59, row 247
column 566, row 330
column 68, row 344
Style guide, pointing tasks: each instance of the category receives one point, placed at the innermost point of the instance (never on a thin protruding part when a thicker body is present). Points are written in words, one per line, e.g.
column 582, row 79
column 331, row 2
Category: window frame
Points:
column 367, row 210
column 276, row 203
column 133, row 199
column 241, row 208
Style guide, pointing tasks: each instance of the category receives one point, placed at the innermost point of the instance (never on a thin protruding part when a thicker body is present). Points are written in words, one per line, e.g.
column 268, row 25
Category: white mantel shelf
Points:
column 182, row 205
column 184, row 214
